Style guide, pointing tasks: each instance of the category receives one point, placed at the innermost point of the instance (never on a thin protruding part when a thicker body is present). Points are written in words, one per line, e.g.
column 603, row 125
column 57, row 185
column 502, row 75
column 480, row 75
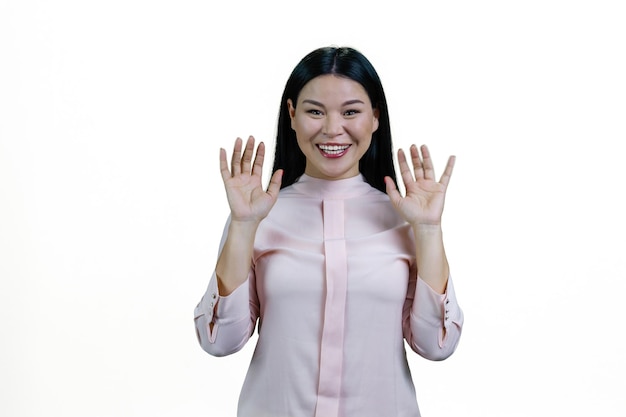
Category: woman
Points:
column 337, row 266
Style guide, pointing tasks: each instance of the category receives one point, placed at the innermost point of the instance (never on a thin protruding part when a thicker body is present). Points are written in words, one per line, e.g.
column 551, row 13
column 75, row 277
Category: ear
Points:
column 375, row 121
column 292, row 111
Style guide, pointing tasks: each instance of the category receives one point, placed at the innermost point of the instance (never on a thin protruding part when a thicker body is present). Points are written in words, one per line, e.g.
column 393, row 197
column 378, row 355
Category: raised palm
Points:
column 244, row 189
column 425, row 196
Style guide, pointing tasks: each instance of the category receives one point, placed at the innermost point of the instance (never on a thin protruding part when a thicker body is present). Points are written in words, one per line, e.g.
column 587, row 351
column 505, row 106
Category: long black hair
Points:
column 377, row 162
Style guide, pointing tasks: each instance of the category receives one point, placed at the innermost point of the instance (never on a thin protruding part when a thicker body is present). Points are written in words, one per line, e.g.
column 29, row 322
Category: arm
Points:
column 249, row 205
column 225, row 321
column 226, row 315
column 432, row 322
column 422, row 208
column 431, row 303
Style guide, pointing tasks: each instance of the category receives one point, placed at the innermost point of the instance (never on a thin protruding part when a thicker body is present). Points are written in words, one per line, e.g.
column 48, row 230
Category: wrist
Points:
column 243, row 227
column 427, row 232
column 426, row 227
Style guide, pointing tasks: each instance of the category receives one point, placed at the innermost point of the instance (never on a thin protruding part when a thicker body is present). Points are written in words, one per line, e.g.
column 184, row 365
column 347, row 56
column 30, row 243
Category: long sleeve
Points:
column 432, row 322
column 335, row 288
column 225, row 323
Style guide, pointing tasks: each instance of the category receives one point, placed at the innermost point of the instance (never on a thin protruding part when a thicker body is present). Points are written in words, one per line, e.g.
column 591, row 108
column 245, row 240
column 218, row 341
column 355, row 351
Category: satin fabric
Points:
column 337, row 297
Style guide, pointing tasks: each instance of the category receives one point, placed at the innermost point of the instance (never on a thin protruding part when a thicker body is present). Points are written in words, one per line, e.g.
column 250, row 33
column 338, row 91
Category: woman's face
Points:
column 334, row 122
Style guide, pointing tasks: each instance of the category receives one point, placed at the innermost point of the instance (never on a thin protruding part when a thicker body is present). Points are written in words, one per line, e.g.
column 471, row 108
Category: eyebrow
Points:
column 347, row 103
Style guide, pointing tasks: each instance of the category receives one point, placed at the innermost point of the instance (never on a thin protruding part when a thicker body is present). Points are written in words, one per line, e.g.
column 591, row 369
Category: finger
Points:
column 405, row 171
column 257, row 168
column 447, row 173
column 235, row 162
column 417, row 163
column 224, row 165
column 246, row 160
column 429, row 170
column 274, row 187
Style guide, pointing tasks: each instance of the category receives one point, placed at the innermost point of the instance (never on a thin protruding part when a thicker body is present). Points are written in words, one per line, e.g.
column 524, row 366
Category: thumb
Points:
column 275, row 182
column 392, row 190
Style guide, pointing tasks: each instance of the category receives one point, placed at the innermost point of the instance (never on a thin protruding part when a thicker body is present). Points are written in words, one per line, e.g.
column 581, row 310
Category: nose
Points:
column 332, row 126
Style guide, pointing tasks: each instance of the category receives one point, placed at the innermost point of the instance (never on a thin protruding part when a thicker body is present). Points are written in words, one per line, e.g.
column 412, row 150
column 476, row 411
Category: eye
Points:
column 351, row 112
column 314, row 112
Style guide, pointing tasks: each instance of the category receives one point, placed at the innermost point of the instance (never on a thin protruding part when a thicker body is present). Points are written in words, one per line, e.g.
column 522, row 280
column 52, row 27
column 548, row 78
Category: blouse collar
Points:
column 344, row 188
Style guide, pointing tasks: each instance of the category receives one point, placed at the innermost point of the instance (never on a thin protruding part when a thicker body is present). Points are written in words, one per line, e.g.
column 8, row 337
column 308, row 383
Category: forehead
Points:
column 328, row 88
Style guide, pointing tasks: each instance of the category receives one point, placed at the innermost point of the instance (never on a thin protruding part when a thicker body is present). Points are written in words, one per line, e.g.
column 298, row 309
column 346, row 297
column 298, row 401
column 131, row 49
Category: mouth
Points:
column 333, row 151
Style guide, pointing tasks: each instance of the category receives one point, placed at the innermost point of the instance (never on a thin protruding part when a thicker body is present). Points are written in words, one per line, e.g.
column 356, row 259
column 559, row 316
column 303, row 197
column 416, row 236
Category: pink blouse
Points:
column 335, row 289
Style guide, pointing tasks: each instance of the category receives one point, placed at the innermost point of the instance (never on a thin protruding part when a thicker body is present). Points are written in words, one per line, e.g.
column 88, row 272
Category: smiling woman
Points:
column 334, row 122
column 349, row 65
column 335, row 265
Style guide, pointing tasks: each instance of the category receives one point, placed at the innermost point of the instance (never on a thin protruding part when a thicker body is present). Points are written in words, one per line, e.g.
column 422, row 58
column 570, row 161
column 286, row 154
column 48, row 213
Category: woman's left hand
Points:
column 424, row 200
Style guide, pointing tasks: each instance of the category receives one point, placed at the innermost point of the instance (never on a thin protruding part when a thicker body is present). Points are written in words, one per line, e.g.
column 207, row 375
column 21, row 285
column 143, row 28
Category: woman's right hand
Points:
column 248, row 201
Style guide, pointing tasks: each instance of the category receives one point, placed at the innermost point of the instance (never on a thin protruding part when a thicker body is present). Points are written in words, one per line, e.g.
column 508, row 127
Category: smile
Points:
column 333, row 151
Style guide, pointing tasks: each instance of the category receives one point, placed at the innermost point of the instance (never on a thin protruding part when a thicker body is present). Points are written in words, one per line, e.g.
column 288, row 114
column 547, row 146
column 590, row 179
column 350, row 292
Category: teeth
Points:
column 333, row 149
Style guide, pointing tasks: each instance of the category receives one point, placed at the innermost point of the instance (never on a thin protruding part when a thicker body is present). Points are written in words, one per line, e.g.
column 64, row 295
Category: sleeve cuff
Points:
column 235, row 306
column 230, row 308
column 441, row 310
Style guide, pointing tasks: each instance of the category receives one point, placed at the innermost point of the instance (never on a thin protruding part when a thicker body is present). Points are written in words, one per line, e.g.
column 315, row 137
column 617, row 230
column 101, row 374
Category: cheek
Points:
column 367, row 128
column 305, row 128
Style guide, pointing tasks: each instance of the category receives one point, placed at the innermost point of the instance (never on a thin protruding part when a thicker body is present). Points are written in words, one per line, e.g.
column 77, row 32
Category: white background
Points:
column 111, row 204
